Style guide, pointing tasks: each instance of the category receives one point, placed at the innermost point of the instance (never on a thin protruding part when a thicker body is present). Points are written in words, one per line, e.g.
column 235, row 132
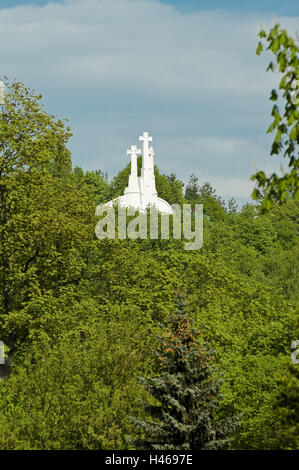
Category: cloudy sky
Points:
column 184, row 70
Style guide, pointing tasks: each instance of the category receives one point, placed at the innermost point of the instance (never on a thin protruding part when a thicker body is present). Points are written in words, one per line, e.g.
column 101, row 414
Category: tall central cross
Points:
column 145, row 138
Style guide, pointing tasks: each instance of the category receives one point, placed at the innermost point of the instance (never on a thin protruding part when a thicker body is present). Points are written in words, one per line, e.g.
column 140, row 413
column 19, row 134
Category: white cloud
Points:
column 116, row 68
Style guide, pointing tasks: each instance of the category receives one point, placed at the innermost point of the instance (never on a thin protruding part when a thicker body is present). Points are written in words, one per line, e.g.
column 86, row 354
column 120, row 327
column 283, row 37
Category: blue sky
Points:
column 275, row 7
column 186, row 71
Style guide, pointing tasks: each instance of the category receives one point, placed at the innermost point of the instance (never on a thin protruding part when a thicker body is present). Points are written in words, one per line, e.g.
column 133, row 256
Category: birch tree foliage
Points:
column 285, row 115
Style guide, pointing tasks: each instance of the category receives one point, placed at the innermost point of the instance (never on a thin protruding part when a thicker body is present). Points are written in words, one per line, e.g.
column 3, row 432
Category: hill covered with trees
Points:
column 83, row 316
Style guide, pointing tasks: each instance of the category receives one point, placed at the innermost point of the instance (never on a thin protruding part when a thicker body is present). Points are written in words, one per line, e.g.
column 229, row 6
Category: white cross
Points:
column 134, row 151
column 145, row 138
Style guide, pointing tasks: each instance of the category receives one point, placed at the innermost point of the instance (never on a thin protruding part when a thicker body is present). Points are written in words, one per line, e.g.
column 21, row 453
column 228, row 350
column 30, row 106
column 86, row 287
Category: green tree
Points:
column 186, row 393
column 96, row 182
column 45, row 216
column 285, row 123
column 213, row 206
column 192, row 189
column 169, row 187
column 74, row 391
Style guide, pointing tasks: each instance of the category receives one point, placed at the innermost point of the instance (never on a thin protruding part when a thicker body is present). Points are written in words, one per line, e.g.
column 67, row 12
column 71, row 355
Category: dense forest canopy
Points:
column 82, row 316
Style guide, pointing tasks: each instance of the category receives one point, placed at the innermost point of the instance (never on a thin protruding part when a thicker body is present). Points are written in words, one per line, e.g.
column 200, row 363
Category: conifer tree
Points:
column 186, row 393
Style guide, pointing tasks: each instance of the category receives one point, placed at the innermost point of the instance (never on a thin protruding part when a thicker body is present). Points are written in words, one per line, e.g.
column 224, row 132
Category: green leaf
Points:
column 256, row 194
column 270, row 67
column 262, row 34
column 259, row 48
column 271, row 127
column 274, row 46
column 277, row 136
column 274, row 95
column 282, row 82
column 275, row 112
column 294, row 131
column 267, row 204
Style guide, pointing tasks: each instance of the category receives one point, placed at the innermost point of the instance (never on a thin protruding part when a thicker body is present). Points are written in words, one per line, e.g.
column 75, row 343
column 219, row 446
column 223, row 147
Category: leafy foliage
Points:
column 45, row 216
column 213, row 205
column 284, row 124
column 81, row 315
